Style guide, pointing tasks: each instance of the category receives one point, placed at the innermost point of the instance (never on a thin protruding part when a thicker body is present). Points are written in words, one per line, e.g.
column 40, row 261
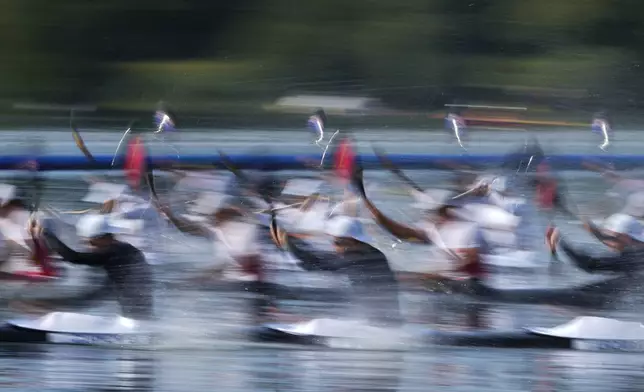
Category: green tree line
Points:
column 411, row 54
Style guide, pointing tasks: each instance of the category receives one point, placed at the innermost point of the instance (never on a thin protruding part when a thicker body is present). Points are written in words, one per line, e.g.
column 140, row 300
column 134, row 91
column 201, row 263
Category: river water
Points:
column 203, row 349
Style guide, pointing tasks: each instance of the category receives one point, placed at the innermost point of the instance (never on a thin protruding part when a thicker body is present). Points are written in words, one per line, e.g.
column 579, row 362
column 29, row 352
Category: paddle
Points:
column 39, row 252
column 560, row 201
column 326, row 148
column 80, row 143
column 165, row 120
column 127, row 132
column 36, row 189
column 389, row 165
column 241, row 176
column 230, row 166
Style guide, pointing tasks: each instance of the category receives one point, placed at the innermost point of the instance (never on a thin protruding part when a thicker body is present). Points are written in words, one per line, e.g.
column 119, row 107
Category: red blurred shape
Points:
column 135, row 161
column 345, row 158
column 546, row 187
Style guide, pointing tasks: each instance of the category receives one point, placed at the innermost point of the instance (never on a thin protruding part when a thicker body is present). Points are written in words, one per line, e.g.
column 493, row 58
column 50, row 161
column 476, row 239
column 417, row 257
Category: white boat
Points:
column 598, row 334
column 331, row 328
column 582, row 333
column 79, row 329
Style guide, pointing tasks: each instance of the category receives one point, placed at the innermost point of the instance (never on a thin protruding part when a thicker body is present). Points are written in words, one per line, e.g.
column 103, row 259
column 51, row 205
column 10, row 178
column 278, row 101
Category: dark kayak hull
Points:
column 278, row 291
column 82, row 290
column 483, row 338
column 11, row 334
column 598, row 266
column 594, row 295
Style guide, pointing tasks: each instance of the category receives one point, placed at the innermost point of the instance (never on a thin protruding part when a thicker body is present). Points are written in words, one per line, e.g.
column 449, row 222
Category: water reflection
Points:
column 73, row 368
column 260, row 369
column 317, row 371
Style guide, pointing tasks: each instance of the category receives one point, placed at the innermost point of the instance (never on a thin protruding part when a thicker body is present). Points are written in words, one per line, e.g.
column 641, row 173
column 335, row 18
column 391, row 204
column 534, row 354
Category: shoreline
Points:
column 260, row 120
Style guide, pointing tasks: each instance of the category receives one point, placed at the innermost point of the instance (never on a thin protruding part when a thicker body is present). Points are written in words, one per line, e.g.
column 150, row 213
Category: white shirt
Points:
column 449, row 237
column 313, row 220
column 236, row 239
column 14, row 228
column 141, row 224
column 489, row 216
column 625, row 224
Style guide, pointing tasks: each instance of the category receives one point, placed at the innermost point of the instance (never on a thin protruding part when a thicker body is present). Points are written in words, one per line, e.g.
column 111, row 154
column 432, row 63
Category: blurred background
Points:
column 230, row 62
column 245, row 73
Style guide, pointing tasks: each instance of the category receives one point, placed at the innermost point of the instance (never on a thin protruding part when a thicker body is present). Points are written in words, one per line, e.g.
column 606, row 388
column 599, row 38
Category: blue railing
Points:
column 292, row 162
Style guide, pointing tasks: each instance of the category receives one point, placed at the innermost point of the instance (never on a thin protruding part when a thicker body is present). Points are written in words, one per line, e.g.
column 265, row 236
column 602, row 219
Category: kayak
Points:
column 582, row 333
column 593, row 295
column 280, row 291
column 80, row 286
column 77, row 329
column 594, row 265
column 21, row 269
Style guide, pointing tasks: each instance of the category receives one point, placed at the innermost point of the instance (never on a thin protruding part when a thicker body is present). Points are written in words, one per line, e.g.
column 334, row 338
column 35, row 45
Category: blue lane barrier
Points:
column 293, row 162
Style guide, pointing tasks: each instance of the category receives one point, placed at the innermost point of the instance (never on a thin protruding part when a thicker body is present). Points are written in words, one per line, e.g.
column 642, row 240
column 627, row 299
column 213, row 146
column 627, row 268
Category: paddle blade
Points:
column 345, row 159
column 357, row 180
column 136, row 162
column 384, row 160
column 80, row 143
column 41, row 256
column 164, row 121
column 549, row 190
column 389, row 165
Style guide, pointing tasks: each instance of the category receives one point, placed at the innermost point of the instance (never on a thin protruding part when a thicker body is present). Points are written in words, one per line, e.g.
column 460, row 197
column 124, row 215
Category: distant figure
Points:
column 456, row 124
column 601, row 125
column 316, row 124
column 164, row 119
column 163, row 122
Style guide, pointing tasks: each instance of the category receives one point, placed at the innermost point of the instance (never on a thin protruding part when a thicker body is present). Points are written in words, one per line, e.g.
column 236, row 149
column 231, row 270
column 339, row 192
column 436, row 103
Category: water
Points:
column 60, row 141
column 204, row 351
column 277, row 369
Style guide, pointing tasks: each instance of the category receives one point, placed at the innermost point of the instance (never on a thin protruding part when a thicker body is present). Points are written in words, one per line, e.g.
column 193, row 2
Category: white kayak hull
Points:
column 626, row 337
column 82, row 329
column 598, row 334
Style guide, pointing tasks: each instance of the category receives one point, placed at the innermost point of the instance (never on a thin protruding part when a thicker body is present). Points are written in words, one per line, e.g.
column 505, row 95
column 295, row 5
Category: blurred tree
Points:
column 417, row 53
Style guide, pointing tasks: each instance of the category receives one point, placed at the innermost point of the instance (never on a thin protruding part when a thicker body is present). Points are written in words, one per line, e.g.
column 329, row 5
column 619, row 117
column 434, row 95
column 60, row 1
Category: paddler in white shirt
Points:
column 237, row 241
column 14, row 223
column 485, row 202
column 301, row 208
column 626, row 223
column 304, row 212
column 458, row 245
column 137, row 220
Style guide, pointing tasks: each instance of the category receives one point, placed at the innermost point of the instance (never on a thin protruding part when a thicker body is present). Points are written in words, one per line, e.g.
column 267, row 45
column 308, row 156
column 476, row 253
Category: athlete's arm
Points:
column 403, row 232
column 588, row 263
column 184, row 225
column 312, row 259
column 398, row 230
column 70, row 255
column 597, row 232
